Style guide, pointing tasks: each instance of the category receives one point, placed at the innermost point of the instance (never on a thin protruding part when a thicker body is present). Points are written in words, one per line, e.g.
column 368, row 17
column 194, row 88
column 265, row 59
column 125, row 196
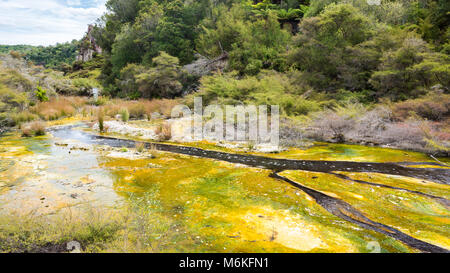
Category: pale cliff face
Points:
column 89, row 47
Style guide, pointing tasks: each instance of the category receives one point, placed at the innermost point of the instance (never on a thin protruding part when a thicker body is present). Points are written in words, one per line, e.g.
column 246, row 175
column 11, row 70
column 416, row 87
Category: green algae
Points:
column 408, row 183
column 317, row 151
column 225, row 208
column 428, row 166
column 358, row 153
column 420, row 217
column 190, row 204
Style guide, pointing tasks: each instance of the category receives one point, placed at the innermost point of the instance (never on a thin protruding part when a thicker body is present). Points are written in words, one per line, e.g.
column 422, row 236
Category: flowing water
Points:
column 327, row 198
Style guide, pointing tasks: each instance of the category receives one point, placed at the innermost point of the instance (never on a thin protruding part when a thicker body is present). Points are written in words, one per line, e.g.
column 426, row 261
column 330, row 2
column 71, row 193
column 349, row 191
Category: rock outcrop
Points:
column 88, row 47
column 204, row 66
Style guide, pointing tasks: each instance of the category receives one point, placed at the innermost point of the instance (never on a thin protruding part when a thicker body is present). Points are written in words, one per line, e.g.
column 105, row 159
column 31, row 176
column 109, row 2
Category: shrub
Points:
column 268, row 88
column 252, row 44
column 161, row 81
column 404, row 72
column 328, row 48
column 41, row 94
column 84, row 86
column 15, row 54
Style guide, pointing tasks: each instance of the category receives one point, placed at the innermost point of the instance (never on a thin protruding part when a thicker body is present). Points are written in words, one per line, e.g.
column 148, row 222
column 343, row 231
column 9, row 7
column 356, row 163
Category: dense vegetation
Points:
column 55, row 57
column 18, row 48
column 346, row 68
column 396, row 50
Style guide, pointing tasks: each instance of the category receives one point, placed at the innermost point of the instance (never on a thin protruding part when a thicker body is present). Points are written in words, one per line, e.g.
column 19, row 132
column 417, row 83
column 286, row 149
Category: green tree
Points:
column 127, row 82
column 252, row 44
column 162, row 80
column 330, row 41
column 407, row 72
column 125, row 50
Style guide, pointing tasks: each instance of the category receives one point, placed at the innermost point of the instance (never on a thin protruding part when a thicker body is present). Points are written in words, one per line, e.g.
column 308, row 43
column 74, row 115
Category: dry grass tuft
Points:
column 36, row 128
column 140, row 147
column 141, row 108
column 58, row 107
column 164, row 131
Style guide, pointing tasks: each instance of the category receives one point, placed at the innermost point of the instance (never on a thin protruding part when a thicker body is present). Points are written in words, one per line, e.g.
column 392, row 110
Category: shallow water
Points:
column 202, row 201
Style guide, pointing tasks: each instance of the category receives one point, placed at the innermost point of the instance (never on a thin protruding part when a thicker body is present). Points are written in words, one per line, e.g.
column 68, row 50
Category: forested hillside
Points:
column 49, row 56
column 351, row 70
column 396, row 50
column 17, row 48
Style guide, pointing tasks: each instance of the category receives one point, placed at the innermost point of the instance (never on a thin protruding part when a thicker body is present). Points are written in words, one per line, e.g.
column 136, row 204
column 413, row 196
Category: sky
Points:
column 46, row 22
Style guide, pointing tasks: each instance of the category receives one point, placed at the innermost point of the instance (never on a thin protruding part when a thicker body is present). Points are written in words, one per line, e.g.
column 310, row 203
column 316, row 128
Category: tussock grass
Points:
column 101, row 120
column 34, row 233
column 140, row 108
column 125, row 115
column 58, row 107
column 36, row 128
column 164, row 131
column 138, row 227
column 140, row 147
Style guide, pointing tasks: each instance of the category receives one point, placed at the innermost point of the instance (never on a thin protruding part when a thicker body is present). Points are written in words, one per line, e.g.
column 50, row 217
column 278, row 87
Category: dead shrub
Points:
column 403, row 133
column 164, row 131
column 373, row 122
column 332, row 125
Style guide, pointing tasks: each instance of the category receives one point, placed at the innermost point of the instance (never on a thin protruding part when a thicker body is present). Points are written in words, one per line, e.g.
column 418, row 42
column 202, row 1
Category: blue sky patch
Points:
column 46, row 22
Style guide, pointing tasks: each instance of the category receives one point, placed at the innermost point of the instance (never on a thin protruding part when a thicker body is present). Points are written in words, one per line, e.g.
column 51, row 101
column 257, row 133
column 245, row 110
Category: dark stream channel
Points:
column 333, row 205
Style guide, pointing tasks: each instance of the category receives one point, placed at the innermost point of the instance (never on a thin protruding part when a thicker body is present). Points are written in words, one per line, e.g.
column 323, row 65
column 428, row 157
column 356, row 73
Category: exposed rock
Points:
column 126, row 129
column 80, row 147
column 268, row 148
column 128, row 155
column 88, row 47
column 181, row 129
column 156, row 115
column 204, row 66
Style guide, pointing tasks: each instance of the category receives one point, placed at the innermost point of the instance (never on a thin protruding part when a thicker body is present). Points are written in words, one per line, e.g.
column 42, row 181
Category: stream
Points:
column 333, row 205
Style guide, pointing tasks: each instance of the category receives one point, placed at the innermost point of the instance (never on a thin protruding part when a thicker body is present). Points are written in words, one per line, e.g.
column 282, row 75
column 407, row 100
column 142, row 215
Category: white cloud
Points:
column 46, row 22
